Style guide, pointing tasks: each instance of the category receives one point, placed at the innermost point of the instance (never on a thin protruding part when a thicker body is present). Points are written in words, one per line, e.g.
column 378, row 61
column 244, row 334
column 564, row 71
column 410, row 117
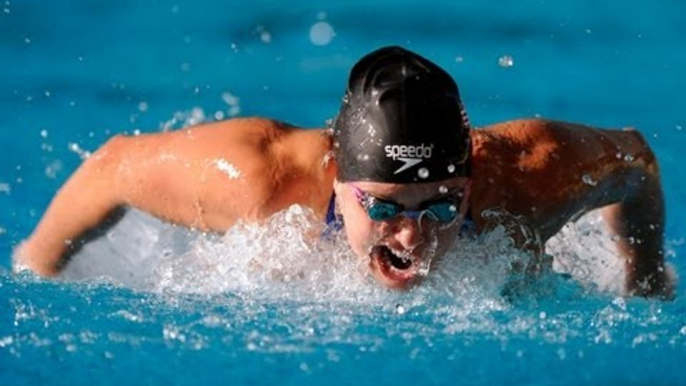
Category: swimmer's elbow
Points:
column 112, row 149
column 105, row 169
column 645, row 155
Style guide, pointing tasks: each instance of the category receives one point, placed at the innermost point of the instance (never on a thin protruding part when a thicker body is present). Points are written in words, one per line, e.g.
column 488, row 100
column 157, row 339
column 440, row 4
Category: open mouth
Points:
column 397, row 267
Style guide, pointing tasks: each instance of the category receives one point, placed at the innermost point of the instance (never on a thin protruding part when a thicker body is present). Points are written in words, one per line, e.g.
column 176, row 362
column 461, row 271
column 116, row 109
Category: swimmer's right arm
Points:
column 83, row 202
column 204, row 178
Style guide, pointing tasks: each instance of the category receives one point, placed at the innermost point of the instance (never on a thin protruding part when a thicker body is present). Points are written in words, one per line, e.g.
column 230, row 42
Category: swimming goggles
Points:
column 443, row 210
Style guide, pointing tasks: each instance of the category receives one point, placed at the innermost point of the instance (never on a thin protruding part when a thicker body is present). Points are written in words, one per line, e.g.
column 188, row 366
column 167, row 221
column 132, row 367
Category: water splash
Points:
column 284, row 265
column 285, row 257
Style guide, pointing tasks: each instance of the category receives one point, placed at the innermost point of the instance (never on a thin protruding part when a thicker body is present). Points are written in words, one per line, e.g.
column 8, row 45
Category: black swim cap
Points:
column 401, row 121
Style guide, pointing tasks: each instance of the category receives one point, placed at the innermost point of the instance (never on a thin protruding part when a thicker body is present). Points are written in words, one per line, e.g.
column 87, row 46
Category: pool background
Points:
column 77, row 72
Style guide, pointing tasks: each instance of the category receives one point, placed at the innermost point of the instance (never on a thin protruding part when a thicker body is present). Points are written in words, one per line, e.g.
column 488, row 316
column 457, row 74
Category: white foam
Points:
column 285, row 258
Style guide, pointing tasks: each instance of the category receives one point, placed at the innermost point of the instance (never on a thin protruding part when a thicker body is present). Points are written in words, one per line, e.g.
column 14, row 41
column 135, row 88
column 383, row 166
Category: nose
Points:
column 409, row 233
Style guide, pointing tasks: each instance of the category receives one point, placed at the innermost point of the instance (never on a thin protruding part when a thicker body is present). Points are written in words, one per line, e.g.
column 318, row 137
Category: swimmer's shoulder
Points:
column 535, row 130
column 543, row 136
column 252, row 131
column 520, row 131
column 261, row 137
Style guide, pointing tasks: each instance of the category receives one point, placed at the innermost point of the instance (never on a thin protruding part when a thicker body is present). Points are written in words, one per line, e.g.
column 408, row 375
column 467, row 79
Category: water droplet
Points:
column 459, row 59
column 336, row 144
column 44, row 133
column 321, row 33
column 588, row 180
column 451, row 168
column 679, row 128
column 265, row 36
column 506, row 61
column 399, row 309
column 443, row 189
column 629, row 158
column 423, row 173
column 619, row 155
column 452, row 208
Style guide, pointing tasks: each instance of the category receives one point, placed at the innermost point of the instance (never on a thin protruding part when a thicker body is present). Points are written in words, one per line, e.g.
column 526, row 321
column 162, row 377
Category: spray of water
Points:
column 286, row 258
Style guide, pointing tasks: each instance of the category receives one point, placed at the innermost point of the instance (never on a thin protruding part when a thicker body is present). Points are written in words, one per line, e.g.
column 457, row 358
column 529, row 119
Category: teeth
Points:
column 403, row 255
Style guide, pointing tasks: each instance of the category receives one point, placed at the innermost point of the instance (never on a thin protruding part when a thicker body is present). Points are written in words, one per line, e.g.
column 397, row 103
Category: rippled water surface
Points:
column 154, row 304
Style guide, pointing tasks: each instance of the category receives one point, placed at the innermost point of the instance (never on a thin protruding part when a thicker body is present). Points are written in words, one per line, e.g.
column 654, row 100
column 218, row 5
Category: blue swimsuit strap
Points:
column 331, row 217
column 468, row 226
column 334, row 222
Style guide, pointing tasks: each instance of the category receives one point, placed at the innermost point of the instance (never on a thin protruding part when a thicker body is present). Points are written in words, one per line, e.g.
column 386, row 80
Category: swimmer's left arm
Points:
column 556, row 171
column 616, row 170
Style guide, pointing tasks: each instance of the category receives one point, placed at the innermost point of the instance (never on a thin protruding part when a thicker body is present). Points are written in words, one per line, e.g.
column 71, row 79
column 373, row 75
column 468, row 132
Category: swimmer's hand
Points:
column 23, row 259
column 661, row 283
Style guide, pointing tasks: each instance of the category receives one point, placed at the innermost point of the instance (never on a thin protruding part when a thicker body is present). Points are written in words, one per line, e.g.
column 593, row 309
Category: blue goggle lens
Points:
column 381, row 211
column 445, row 211
column 442, row 211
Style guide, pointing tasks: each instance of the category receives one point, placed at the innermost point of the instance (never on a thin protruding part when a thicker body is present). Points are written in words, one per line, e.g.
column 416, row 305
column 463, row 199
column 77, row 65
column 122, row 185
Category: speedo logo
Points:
column 410, row 155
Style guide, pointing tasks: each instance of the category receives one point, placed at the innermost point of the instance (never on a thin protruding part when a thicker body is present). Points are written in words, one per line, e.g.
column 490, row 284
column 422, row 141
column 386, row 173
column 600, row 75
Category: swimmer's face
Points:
column 400, row 249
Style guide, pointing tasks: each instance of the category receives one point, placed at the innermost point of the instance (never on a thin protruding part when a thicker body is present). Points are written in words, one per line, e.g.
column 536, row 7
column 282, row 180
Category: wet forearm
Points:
column 85, row 200
column 638, row 226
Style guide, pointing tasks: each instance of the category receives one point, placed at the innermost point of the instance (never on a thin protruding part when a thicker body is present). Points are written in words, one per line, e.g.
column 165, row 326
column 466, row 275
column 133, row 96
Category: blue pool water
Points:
column 76, row 72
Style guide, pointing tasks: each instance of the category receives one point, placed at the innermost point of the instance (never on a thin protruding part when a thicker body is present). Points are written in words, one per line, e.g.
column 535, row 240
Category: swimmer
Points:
column 401, row 172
